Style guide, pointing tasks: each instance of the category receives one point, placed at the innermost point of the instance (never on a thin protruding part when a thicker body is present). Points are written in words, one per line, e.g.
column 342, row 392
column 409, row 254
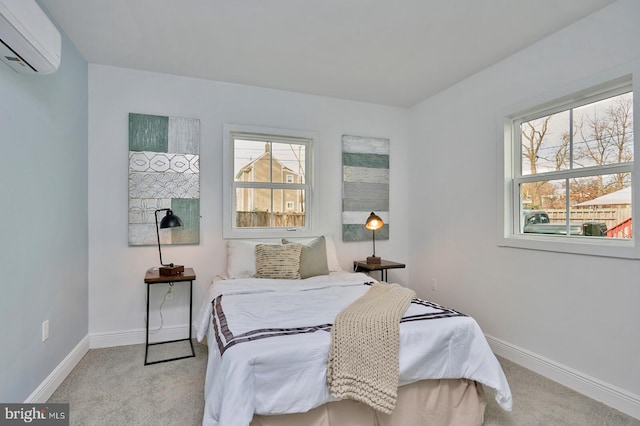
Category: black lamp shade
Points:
column 170, row 220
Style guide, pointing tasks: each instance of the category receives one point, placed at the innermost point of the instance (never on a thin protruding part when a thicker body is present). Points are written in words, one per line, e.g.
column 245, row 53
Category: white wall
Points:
column 562, row 314
column 43, row 231
column 116, row 271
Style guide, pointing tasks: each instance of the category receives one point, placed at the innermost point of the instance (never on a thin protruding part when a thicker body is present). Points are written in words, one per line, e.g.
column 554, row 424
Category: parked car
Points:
column 537, row 222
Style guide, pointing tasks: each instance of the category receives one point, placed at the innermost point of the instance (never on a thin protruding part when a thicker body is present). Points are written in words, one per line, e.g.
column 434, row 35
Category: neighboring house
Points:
column 285, row 201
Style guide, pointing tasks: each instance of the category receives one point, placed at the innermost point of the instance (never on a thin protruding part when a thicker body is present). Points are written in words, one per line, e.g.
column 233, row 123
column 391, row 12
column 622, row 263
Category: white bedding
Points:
column 277, row 340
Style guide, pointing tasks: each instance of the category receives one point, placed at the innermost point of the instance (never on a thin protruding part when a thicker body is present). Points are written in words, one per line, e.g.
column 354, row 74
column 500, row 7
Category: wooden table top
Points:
column 153, row 276
column 384, row 264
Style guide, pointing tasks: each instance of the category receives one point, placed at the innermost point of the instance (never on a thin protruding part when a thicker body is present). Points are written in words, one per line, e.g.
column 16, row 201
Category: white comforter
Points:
column 275, row 338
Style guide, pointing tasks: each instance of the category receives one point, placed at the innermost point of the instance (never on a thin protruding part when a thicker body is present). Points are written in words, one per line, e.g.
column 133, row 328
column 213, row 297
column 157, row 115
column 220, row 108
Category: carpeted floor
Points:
column 538, row 401
column 112, row 387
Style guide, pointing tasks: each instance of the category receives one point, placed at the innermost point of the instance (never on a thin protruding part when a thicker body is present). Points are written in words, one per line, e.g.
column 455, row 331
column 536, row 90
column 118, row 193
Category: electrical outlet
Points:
column 45, row 330
column 170, row 293
column 434, row 284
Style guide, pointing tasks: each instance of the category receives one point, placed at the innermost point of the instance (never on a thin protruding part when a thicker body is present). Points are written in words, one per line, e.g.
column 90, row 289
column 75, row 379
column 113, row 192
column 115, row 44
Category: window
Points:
column 569, row 173
column 268, row 173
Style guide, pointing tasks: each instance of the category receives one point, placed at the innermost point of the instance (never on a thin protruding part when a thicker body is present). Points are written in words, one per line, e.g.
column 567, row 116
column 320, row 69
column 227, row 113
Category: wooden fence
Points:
column 263, row 219
column 612, row 217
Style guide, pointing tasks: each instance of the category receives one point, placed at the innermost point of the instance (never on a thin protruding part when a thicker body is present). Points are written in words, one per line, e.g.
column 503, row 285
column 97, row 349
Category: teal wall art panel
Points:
column 148, row 133
column 164, row 172
column 365, row 186
column 187, row 209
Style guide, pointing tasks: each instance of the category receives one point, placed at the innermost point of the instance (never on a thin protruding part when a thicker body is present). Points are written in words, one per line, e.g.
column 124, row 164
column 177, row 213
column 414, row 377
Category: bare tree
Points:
column 607, row 139
column 533, row 134
column 561, row 156
column 541, row 194
column 620, row 132
column 584, row 189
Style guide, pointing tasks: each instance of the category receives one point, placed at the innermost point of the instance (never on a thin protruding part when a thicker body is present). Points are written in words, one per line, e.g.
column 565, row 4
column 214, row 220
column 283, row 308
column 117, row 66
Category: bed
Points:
column 269, row 341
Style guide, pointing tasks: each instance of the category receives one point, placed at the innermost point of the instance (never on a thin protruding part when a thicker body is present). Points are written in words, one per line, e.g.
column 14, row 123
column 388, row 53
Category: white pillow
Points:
column 241, row 258
column 332, row 254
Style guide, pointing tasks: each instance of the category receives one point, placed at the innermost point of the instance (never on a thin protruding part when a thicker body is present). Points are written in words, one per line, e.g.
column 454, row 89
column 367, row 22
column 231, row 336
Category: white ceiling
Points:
column 391, row 52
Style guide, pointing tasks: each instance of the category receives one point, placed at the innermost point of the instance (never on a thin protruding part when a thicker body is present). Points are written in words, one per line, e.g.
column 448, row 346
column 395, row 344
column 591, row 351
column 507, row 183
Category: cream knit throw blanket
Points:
column 365, row 341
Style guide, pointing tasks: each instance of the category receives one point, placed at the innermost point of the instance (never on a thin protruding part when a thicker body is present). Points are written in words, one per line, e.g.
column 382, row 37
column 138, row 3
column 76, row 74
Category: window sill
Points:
column 254, row 233
column 588, row 246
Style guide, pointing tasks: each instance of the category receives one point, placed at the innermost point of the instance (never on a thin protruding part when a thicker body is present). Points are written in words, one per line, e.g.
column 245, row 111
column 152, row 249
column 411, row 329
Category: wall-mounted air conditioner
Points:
column 29, row 42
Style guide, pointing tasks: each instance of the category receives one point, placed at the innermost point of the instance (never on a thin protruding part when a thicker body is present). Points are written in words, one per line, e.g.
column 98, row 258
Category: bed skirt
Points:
column 458, row 402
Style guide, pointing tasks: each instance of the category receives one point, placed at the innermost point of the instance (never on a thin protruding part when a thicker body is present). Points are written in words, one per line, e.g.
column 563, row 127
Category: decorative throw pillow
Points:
column 332, row 255
column 313, row 257
column 278, row 261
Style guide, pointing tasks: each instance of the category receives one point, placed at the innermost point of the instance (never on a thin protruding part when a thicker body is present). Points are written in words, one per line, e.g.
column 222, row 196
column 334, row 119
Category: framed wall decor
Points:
column 365, row 186
column 164, row 172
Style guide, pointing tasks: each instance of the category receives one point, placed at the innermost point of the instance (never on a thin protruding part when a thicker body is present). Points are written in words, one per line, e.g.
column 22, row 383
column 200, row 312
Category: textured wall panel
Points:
column 365, row 186
column 164, row 172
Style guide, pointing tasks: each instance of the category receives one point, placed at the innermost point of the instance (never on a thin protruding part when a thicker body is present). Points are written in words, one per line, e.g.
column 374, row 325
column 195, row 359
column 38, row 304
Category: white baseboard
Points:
column 137, row 336
column 606, row 393
column 100, row 340
column 57, row 376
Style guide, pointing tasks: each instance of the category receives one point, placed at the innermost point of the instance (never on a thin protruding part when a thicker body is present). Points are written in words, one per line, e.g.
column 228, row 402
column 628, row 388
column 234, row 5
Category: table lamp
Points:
column 170, row 220
column 373, row 223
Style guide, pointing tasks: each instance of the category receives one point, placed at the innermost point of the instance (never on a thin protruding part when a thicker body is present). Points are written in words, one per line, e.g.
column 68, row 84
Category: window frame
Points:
column 309, row 139
column 609, row 83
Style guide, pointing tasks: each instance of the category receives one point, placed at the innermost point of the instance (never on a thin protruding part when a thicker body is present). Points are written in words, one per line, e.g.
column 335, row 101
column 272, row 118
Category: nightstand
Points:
column 383, row 266
column 153, row 277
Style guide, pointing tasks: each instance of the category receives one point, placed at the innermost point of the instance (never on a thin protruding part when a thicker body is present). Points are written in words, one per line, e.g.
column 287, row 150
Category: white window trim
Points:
column 508, row 217
column 231, row 232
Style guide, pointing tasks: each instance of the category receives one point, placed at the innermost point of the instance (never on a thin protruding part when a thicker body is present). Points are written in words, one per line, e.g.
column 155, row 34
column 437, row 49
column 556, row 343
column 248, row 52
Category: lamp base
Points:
column 170, row 271
column 374, row 260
